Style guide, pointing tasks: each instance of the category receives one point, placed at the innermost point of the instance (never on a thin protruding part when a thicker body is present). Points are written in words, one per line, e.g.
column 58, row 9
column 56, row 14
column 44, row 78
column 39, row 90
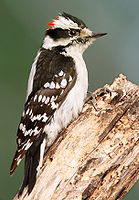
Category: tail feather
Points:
column 16, row 160
column 32, row 160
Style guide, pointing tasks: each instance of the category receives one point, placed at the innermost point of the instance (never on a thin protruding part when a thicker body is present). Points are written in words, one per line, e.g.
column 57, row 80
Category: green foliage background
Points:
column 22, row 25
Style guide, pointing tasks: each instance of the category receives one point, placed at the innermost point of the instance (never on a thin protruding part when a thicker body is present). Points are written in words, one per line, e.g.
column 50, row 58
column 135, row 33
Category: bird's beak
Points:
column 97, row 35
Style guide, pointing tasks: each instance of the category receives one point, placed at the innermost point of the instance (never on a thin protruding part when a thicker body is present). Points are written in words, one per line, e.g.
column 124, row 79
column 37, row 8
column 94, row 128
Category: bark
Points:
column 97, row 156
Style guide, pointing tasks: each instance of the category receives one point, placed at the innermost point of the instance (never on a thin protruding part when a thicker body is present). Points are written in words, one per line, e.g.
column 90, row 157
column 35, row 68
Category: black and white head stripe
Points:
column 50, row 88
column 66, row 21
column 76, row 20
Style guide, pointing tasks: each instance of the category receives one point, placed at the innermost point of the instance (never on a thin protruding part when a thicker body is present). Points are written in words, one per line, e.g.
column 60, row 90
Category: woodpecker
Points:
column 57, row 89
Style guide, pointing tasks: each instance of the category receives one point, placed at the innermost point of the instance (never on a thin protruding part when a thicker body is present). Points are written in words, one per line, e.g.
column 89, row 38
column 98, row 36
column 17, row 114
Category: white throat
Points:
column 49, row 43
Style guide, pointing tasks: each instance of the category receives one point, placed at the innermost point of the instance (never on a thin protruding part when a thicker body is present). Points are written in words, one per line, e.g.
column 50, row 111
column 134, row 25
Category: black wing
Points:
column 55, row 76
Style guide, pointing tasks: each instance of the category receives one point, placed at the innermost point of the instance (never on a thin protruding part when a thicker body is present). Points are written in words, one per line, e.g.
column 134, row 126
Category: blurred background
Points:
column 22, row 26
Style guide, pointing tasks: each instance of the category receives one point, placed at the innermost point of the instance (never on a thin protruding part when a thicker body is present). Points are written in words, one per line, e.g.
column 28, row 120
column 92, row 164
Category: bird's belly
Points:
column 68, row 111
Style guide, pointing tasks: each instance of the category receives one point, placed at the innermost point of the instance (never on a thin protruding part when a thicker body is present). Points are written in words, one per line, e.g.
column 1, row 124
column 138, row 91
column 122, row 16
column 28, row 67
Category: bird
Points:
column 56, row 92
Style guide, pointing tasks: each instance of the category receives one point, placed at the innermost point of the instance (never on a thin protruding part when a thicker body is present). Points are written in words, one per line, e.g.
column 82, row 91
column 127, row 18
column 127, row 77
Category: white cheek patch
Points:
column 49, row 43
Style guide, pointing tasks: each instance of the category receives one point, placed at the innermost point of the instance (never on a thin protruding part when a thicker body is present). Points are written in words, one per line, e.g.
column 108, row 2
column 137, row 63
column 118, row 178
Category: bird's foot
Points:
column 92, row 97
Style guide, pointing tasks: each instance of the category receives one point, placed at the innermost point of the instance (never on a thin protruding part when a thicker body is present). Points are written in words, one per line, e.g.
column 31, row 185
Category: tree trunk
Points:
column 97, row 156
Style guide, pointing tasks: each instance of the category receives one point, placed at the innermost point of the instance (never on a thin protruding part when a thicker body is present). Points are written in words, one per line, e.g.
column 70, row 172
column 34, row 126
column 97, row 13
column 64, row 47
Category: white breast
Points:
column 73, row 103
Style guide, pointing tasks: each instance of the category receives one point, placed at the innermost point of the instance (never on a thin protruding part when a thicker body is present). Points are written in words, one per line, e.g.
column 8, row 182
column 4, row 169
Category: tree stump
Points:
column 97, row 156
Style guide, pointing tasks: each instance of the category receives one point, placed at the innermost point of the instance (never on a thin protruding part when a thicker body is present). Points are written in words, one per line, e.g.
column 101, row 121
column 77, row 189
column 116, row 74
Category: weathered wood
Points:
column 97, row 156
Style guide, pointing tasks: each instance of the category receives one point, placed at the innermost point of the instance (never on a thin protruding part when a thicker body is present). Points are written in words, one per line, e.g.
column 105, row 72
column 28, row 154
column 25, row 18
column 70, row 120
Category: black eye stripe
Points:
column 57, row 33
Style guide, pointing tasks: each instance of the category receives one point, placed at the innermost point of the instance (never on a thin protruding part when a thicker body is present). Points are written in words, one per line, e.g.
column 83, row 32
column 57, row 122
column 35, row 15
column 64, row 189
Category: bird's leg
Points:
column 91, row 98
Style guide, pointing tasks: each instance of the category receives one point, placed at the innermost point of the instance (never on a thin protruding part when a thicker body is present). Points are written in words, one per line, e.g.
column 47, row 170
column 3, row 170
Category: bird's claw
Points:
column 92, row 97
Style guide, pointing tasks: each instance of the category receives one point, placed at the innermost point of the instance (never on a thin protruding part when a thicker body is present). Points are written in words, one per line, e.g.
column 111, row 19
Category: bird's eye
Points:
column 73, row 32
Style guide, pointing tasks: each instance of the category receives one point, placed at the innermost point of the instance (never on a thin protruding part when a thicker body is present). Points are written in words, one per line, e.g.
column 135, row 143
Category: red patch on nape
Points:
column 51, row 23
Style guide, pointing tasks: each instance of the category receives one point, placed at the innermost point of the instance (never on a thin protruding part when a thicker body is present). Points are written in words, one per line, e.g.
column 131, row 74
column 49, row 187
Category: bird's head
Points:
column 67, row 30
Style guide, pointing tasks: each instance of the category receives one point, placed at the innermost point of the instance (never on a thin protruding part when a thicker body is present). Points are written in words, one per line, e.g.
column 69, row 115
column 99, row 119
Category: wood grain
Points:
column 97, row 156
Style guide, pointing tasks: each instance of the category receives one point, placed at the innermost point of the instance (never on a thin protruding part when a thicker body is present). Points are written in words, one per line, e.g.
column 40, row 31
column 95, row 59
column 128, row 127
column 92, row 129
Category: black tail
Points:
column 32, row 159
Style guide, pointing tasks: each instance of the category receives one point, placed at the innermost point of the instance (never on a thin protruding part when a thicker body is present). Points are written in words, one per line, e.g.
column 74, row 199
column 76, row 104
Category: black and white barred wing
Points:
column 39, row 110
